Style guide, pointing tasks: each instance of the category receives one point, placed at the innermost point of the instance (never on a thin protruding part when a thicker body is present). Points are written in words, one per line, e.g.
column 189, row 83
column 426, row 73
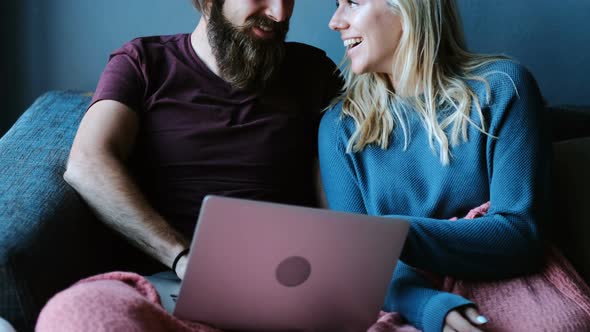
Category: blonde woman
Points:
column 425, row 131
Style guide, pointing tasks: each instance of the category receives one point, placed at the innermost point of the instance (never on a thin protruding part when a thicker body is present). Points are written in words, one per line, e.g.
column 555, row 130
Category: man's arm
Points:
column 96, row 170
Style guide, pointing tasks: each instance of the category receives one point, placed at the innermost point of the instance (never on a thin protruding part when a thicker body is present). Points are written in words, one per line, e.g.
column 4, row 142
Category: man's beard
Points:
column 244, row 60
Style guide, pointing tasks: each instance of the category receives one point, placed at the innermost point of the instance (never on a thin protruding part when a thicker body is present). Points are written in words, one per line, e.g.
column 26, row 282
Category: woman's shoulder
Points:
column 505, row 65
column 505, row 79
column 333, row 112
column 335, row 122
column 511, row 90
column 505, row 73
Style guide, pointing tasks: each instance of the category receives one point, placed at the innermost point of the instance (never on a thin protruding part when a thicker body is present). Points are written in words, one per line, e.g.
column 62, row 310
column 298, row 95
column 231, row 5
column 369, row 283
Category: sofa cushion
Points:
column 43, row 222
column 48, row 236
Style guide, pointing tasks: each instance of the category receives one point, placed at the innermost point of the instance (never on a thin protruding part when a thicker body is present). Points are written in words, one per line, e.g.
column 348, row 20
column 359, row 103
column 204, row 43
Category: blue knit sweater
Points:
column 510, row 169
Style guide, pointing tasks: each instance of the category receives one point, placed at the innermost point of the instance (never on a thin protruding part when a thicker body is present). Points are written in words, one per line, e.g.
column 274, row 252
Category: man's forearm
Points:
column 103, row 182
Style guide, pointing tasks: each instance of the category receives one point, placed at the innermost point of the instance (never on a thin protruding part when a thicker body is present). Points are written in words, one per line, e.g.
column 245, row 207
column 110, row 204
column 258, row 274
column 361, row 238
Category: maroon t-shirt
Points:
column 200, row 136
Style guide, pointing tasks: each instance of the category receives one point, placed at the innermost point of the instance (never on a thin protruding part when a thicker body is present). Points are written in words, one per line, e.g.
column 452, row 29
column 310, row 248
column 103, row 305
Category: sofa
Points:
column 49, row 238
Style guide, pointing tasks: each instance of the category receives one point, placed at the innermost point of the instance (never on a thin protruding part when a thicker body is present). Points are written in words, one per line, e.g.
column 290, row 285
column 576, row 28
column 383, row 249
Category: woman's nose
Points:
column 337, row 21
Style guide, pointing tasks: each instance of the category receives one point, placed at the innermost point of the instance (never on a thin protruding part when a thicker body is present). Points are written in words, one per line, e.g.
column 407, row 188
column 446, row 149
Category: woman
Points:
column 425, row 131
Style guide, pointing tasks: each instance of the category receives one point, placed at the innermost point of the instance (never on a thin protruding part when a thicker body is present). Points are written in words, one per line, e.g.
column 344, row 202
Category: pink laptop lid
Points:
column 258, row 266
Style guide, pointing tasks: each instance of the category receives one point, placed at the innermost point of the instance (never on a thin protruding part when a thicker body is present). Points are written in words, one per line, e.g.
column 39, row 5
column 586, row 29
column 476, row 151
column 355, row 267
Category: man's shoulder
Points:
column 149, row 43
column 158, row 40
column 305, row 60
column 302, row 49
column 312, row 72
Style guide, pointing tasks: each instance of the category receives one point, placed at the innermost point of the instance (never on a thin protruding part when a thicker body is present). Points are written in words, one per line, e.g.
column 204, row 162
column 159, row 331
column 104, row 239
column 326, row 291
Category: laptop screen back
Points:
column 269, row 267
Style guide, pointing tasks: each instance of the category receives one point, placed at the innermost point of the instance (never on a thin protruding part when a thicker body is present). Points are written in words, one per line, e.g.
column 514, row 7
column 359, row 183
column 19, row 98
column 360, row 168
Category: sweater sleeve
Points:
column 507, row 241
column 410, row 294
column 413, row 296
column 338, row 175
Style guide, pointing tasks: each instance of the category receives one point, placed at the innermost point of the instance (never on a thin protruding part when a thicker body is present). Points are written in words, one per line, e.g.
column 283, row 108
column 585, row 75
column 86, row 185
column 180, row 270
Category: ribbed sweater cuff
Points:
column 437, row 308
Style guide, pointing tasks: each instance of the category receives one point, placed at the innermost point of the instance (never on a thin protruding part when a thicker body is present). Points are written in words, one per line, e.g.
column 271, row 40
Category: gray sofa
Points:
column 49, row 238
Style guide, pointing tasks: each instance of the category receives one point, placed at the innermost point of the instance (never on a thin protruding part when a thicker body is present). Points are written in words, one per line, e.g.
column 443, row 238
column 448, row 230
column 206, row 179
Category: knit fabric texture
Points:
column 508, row 166
column 49, row 238
column 43, row 223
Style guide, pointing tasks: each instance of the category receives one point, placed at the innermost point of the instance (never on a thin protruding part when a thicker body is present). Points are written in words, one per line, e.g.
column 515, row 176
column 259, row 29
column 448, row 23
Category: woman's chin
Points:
column 363, row 67
column 358, row 70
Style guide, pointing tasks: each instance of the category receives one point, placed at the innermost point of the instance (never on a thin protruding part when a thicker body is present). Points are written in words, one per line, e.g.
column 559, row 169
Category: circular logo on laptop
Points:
column 293, row 271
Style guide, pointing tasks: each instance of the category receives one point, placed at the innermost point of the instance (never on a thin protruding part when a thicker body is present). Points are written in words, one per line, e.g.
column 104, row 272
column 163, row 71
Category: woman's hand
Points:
column 464, row 319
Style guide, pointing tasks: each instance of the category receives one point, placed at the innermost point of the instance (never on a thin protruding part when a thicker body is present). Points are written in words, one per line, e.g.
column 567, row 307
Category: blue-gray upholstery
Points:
column 48, row 236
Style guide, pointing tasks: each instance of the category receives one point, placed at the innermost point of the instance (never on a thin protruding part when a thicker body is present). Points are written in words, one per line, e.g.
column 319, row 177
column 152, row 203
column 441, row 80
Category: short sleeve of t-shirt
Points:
column 123, row 78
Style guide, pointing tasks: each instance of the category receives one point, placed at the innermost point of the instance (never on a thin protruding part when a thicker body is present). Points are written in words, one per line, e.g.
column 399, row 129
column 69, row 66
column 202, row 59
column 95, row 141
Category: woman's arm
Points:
column 414, row 297
column 507, row 241
column 410, row 293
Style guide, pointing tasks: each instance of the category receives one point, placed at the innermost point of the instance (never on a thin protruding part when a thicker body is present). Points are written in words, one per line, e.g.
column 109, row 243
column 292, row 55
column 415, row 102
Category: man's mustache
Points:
column 279, row 28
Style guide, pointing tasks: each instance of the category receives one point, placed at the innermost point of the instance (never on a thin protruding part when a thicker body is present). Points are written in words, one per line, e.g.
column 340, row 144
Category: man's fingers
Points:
column 460, row 323
column 474, row 316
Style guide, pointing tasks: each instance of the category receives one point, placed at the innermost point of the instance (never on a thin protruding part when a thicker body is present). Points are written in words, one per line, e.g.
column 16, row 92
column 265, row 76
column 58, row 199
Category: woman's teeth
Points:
column 350, row 43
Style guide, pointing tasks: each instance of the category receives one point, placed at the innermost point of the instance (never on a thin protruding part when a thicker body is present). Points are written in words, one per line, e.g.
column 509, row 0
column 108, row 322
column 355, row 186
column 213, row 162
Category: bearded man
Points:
column 231, row 109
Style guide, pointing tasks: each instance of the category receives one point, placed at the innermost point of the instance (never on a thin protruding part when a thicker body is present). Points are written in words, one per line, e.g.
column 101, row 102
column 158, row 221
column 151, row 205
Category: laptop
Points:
column 257, row 266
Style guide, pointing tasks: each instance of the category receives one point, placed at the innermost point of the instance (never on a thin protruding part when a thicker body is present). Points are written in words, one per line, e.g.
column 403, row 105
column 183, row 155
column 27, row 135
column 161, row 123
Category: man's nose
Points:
column 279, row 10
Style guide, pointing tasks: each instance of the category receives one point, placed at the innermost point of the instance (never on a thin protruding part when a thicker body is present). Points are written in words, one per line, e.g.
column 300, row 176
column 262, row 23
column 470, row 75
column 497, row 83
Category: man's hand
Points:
column 466, row 319
column 181, row 266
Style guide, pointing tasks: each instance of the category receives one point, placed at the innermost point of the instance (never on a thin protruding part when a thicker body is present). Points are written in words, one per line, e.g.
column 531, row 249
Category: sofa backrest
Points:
column 571, row 191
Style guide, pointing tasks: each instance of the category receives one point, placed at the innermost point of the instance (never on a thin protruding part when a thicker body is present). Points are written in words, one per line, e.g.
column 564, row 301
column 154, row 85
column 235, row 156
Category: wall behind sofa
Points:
column 64, row 44
column 11, row 78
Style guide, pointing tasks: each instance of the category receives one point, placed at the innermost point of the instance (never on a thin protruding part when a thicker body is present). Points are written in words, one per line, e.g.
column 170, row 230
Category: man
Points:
column 230, row 109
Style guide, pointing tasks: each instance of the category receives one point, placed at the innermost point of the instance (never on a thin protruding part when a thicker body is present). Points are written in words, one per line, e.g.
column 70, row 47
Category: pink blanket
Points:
column 556, row 299
column 127, row 302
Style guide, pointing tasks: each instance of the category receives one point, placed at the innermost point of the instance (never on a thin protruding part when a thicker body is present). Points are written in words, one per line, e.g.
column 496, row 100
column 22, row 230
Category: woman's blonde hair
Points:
column 431, row 68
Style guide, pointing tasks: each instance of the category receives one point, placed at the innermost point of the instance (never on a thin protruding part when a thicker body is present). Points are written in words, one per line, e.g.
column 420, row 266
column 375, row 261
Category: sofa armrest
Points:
column 33, row 155
column 571, row 215
column 45, row 228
